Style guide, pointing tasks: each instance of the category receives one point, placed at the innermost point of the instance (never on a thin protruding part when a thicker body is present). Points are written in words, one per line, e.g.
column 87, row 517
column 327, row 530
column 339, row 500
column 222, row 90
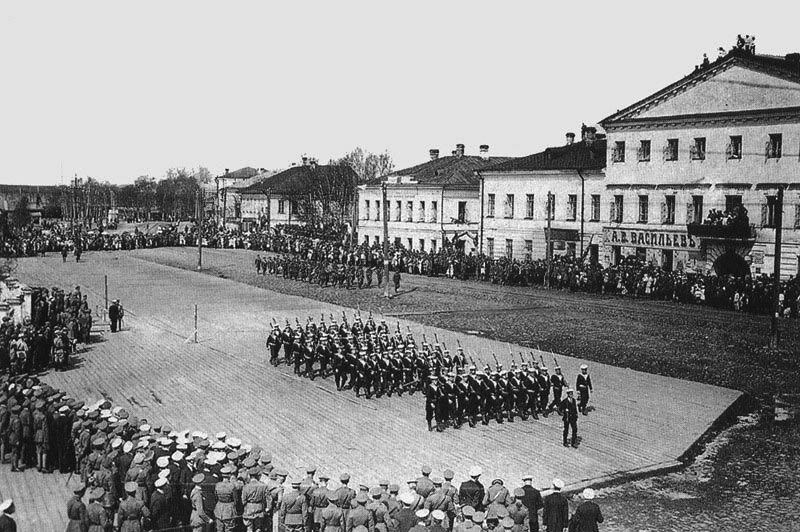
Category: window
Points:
column 462, row 212
column 731, row 202
column 409, row 211
column 422, row 244
column 509, row 206
column 410, row 243
column 434, row 211
column 529, row 206
column 397, row 242
column 644, row 151
column 668, row 210
column 644, row 207
column 734, row 149
column 572, row 207
column 594, row 216
column 281, row 206
column 616, row 209
column 797, row 216
column 671, row 150
column 774, row 145
column 366, row 210
column 377, row 240
column 398, row 210
column 490, row 207
column 509, row 248
column 366, row 240
column 528, row 249
column 433, row 245
column 292, row 207
column 698, row 150
column 490, row 247
column 618, row 152
column 769, row 212
column 421, row 217
column 694, row 213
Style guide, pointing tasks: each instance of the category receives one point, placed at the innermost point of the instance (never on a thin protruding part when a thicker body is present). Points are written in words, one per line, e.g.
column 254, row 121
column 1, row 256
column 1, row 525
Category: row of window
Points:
column 773, row 149
column 430, row 215
column 572, row 207
column 409, row 244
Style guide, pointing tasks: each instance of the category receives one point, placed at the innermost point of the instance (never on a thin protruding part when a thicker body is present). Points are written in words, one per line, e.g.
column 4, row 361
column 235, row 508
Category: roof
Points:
column 242, row 173
column 775, row 65
column 576, row 156
column 451, row 170
column 252, row 180
column 296, row 179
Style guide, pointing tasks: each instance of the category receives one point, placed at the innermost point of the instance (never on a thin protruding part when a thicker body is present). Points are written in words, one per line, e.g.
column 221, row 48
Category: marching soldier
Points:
column 584, row 385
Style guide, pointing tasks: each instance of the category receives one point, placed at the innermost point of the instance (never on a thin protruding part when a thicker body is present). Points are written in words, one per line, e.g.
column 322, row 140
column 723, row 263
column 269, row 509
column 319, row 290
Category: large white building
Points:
column 514, row 196
column 727, row 134
column 429, row 204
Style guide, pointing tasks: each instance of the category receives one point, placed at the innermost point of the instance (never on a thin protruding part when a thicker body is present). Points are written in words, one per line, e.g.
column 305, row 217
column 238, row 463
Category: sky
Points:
column 116, row 90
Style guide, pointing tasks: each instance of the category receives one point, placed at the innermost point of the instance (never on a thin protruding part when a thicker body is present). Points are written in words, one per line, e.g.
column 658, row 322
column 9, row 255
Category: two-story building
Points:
column 515, row 206
column 429, row 204
column 227, row 199
column 724, row 137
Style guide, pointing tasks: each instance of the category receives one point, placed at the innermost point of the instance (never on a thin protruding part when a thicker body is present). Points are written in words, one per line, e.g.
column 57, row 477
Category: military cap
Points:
column 227, row 470
column 584, row 366
column 527, row 477
column 423, row 513
column 131, row 487
column 438, row 515
column 177, row 456
column 138, row 458
column 508, row 523
column 248, row 463
column 235, row 443
column 156, row 427
column 394, row 488
column 323, row 476
column 198, row 478
column 475, row 471
column 570, row 390
column 281, row 472
column 161, row 482
column 232, row 456
column 254, row 471
column 311, row 469
column 383, row 483
column 116, row 443
column 519, row 493
column 96, row 493
column 344, row 477
column 497, row 481
column 162, row 461
column 407, row 498
column 448, row 474
column 375, row 492
column 558, row 483
column 437, row 481
column 468, row 511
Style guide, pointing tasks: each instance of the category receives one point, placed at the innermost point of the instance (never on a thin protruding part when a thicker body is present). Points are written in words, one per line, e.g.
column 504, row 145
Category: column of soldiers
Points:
column 59, row 321
column 323, row 272
column 370, row 359
column 132, row 475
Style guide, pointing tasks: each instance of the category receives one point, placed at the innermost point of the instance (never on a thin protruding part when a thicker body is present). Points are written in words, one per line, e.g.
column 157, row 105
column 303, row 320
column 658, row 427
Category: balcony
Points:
column 722, row 232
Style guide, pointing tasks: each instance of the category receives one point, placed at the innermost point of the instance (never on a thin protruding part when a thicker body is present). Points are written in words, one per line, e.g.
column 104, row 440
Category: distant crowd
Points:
column 331, row 247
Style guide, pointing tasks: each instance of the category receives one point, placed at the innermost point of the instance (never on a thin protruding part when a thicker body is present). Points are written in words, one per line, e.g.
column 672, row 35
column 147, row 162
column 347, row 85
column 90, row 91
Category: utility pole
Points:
column 774, row 336
column 549, row 239
column 385, row 240
column 200, row 208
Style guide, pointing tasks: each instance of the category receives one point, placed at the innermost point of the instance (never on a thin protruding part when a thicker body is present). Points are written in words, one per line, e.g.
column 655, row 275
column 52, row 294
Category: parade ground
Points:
column 639, row 423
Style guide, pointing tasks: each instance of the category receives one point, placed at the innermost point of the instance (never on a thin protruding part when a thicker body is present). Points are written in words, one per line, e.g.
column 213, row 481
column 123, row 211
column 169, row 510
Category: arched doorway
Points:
column 731, row 263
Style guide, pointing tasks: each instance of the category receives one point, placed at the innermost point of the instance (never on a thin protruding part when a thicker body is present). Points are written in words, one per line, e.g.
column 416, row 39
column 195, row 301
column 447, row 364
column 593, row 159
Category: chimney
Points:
column 459, row 150
column 484, row 152
column 570, row 138
column 434, row 153
column 305, row 160
column 227, row 170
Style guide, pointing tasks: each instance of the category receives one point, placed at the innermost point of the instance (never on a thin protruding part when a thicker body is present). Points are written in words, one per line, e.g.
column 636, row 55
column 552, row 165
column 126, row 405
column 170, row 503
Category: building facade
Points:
column 724, row 138
column 429, row 205
column 515, row 205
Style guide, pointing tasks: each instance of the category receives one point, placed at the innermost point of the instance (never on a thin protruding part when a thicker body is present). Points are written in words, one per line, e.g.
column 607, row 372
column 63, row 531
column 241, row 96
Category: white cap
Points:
column 220, row 436
column 177, row 456
column 584, row 366
column 161, row 482
column 423, row 513
column 588, row 494
column 475, row 471
column 558, row 483
column 162, row 461
column 407, row 498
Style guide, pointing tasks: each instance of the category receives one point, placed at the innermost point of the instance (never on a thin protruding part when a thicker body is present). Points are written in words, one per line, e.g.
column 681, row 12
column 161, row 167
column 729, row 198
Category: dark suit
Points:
column 113, row 316
column 569, row 414
column 160, row 510
column 471, row 493
column 588, row 515
column 533, row 502
column 556, row 512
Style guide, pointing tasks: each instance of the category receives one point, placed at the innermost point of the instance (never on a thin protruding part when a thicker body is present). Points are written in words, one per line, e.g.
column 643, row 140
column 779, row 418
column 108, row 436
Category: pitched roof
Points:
column 295, row 180
column 242, row 173
column 775, row 65
column 451, row 170
column 578, row 155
